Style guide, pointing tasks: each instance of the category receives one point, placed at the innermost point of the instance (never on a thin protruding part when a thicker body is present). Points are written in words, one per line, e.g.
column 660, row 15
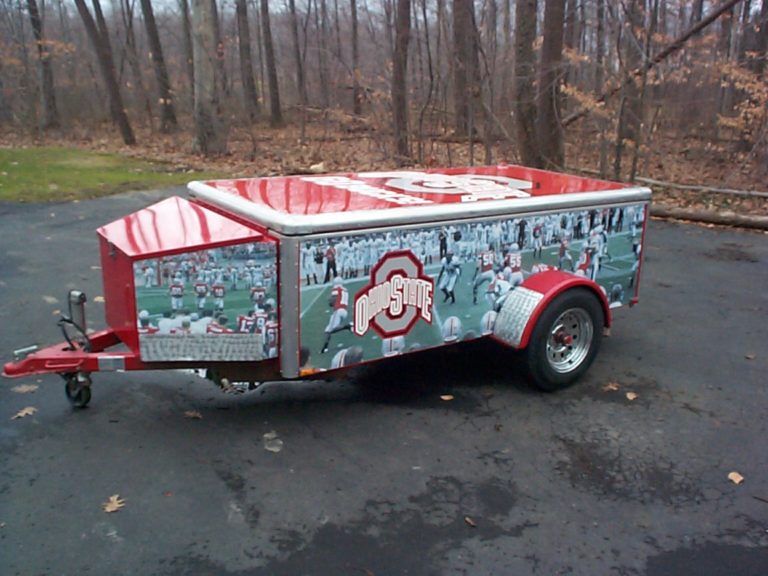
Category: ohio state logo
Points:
column 398, row 295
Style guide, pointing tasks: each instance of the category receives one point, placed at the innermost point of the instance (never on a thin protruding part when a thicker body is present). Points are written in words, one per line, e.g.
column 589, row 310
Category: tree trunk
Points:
column 140, row 92
column 276, row 114
column 632, row 61
column 250, row 95
column 50, row 113
column 465, row 64
column 221, row 68
column 301, row 82
column 168, row 121
column 399, row 75
column 551, row 75
column 100, row 39
column 525, row 76
column 601, row 121
column 505, row 110
column 357, row 107
column 189, row 60
column 210, row 131
column 321, row 29
column 761, row 48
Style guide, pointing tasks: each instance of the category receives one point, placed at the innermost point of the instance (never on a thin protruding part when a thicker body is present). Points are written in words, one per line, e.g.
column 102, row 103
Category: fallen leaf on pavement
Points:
column 470, row 522
column 736, row 478
column 25, row 388
column 272, row 443
column 749, row 356
column 446, row 397
column 28, row 411
column 611, row 387
column 631, row 396
column 487, row 391
column 193, row 415
column 113, row 504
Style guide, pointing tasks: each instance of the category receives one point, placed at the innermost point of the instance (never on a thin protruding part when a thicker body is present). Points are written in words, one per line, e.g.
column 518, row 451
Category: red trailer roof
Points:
column 317, row 203
column 352, row 192
column 174, row 224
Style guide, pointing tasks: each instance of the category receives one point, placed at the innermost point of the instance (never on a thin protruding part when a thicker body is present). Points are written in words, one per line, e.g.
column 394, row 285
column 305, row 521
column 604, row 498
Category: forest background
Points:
column 669, row 93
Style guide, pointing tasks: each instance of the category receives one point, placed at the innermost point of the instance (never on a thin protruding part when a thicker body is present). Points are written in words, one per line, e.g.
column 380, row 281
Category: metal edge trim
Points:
column 294, row 225
column 288, row 275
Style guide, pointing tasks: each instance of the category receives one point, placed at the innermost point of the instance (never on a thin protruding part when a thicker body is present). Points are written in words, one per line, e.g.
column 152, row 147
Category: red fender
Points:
column 520, row 312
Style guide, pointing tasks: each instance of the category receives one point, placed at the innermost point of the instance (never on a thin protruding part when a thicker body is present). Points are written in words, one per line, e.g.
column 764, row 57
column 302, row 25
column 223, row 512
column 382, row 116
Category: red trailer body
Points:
column 263, row 278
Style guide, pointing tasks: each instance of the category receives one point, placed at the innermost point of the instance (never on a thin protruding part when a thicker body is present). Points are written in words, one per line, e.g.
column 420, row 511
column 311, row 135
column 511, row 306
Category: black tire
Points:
column 78, row 393
column 565, row 340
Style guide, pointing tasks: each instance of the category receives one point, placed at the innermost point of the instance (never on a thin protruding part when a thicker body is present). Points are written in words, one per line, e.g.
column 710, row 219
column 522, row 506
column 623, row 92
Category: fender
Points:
column 523, row 306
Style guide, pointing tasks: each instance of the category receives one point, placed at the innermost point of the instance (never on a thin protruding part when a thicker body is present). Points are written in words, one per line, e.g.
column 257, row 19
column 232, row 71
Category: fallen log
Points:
column 695, row 188
column 707, row 217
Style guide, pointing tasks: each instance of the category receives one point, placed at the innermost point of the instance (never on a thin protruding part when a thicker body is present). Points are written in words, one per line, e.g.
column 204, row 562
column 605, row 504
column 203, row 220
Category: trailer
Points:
column 287, row 278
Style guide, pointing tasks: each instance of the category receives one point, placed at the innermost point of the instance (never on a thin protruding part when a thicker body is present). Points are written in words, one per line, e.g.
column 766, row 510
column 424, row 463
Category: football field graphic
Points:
column 481, row 261
column 217, row 304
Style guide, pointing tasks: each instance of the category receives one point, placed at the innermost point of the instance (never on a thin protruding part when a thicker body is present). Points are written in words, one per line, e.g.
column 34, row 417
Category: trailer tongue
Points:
column 280, row 278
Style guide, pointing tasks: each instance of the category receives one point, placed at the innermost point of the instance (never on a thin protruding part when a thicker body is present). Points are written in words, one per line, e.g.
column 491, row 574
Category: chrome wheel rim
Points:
column 569, row 341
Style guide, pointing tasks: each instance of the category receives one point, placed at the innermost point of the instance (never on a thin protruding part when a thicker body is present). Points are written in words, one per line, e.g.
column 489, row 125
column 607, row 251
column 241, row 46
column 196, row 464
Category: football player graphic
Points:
column 201, row 291
column 450, row 270
column 339, row 302
column 176, row 291
column 218, row 291
column 451, row 329
column 513, row 260
column 483, row 271
column 487, row 322
column 347, row 357
column 393, row 346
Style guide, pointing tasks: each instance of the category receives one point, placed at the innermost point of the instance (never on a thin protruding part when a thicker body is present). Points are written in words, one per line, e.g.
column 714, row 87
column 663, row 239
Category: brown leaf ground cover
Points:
column 345, row 143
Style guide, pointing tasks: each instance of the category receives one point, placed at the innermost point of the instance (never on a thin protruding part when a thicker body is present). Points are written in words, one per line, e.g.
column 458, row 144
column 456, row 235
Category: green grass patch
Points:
column 56, row 174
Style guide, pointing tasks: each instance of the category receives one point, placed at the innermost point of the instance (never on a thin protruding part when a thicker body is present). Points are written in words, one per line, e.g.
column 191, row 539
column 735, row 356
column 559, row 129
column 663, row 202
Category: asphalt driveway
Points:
column 380, row 475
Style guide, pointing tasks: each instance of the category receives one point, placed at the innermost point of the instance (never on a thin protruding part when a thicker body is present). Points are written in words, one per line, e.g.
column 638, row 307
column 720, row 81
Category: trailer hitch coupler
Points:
column 77, row 300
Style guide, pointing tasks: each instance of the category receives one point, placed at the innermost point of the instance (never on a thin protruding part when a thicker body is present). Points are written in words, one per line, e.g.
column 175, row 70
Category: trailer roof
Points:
column 317, row 203
column 174, row 224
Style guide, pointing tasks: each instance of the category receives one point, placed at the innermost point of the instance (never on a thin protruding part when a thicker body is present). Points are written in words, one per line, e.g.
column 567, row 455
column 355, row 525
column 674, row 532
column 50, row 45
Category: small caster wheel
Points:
column 78, row 390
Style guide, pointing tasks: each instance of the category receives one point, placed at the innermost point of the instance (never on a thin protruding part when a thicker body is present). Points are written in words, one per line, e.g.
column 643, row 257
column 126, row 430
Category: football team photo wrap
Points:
column 217, row 304
column 371, row 295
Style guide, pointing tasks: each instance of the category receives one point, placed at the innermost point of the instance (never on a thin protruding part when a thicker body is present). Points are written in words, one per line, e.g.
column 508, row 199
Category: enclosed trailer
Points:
column 258, row 279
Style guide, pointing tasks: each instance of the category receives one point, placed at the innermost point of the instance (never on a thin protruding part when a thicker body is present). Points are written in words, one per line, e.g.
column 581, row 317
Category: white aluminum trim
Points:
column 288, row 285
column 307, row 224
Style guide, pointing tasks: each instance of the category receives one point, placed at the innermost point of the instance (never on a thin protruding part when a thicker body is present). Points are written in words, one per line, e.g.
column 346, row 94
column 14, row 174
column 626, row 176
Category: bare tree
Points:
column 186, row 29
column 761, row 48
column 210, row 131
column 126, row 9
column 399, row 76
column 356, row 93
column 99, row 37
column 5, row 106
column 551, row 75
column 50, row 113
column 275, row 111
column 525, row 90
column 250, row 95
column 466, row 65
column 168, row 121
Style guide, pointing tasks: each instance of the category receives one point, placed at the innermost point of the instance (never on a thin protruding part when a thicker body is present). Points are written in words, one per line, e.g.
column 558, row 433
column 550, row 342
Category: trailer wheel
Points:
column 77, row 387
column 565, row 340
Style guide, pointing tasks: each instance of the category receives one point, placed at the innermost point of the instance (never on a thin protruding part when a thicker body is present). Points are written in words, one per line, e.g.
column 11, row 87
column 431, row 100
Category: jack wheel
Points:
column 78, row 390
